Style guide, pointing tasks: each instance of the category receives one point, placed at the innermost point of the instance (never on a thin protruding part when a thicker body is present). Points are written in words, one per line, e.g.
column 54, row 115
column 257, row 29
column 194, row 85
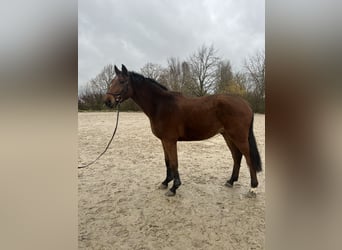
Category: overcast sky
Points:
column 134, row 32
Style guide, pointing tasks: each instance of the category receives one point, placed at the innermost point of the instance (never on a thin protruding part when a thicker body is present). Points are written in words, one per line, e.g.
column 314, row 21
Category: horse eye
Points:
column 121, row 82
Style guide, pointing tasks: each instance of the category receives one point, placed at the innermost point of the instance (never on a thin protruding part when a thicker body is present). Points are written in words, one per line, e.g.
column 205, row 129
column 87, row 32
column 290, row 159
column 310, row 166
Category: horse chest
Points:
column 164, row 130
column 156, row 130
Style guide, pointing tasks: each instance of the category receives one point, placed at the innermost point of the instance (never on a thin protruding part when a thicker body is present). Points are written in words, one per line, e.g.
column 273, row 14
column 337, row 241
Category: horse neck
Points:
column 146, row 96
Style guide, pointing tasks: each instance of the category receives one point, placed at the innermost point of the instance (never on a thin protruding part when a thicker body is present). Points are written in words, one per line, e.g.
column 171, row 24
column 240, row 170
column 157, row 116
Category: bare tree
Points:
column 90, row 98
column 101, row 82
column 91, row 95
column 152, row 70
column 201, row 74
column 187, row 83
column 255, row 69
column 203, row 64
column 174, row 73
column 224, row 75
column 237, row 85
column 164, row 78
column 177, row 76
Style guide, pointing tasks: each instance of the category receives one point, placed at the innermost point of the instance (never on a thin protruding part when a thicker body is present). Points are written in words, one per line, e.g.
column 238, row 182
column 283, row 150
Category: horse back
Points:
column 200, row 118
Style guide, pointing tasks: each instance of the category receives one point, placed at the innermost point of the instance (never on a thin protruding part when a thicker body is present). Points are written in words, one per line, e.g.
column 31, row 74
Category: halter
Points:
column 122, row 92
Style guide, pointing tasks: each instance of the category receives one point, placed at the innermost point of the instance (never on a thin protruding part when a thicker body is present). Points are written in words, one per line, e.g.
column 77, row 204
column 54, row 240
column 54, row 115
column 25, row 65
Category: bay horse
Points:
column 174, row 117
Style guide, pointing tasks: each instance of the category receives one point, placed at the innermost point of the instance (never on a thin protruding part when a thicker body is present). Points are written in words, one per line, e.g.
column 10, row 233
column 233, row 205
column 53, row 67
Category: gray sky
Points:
column 134, row 32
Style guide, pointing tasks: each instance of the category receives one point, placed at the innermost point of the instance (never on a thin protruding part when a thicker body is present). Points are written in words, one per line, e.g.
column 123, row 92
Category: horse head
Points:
column 120, row 88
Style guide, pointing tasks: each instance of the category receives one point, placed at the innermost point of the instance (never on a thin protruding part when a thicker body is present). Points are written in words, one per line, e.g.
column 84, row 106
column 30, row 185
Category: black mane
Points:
column 138, row 77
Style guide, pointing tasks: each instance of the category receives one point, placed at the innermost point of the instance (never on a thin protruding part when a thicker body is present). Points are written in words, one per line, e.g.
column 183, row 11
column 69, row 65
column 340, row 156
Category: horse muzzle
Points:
column 117, row 99
column 109, row 103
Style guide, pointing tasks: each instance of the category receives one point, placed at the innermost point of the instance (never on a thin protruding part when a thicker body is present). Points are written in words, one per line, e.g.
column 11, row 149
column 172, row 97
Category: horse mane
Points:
column 138, row 77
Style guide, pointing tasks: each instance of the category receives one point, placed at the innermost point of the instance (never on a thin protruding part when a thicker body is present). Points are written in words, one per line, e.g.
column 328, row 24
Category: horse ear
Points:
column 124, row 70
column 117, row 71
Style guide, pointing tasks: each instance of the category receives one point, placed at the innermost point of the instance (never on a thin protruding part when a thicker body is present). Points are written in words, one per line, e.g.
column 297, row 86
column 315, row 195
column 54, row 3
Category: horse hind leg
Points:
column 244, row 149
column 237, row 156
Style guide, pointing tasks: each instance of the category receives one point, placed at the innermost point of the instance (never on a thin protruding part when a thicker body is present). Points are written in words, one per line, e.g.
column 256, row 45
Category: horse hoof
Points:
column 228, row 184
column 162, row 186
column 170, row 193
column 251, row 193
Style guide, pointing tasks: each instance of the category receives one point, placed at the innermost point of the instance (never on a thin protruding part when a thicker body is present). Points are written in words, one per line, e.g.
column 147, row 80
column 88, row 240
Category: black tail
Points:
column 253, row 149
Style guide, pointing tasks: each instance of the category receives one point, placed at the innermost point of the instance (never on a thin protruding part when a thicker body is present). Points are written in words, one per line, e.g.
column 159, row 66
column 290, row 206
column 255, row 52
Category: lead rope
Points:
column 110, row 141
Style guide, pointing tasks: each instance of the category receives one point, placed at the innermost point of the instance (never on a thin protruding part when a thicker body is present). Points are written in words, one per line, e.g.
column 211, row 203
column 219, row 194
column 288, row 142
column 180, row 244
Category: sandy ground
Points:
column 121, row 207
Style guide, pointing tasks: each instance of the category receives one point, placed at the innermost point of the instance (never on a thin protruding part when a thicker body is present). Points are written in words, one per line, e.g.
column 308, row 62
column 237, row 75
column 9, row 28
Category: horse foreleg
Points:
column 170, row 149
column 169, row 174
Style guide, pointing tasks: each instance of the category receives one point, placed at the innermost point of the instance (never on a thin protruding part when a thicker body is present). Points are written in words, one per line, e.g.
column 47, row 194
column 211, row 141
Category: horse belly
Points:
column 200, row 132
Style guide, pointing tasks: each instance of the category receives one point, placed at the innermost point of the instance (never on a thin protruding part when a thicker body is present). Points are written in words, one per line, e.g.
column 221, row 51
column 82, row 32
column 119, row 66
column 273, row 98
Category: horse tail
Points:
column 253, row 149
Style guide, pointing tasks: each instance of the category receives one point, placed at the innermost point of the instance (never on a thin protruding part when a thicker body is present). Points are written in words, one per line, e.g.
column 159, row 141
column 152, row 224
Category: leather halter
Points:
column 122, row 92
